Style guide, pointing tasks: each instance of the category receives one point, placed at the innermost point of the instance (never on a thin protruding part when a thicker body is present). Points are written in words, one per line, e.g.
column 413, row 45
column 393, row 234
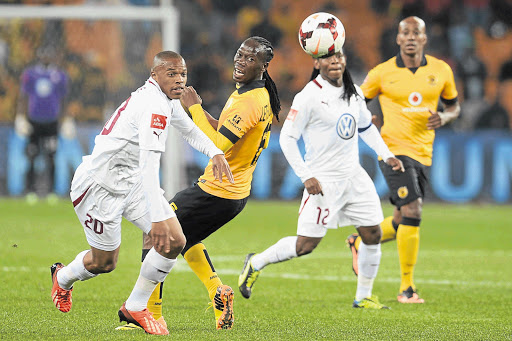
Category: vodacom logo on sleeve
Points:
column 158, row 121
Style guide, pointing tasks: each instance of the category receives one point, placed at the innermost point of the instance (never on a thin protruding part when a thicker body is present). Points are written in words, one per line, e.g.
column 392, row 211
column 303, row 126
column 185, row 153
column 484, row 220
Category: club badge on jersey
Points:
column 346, row 126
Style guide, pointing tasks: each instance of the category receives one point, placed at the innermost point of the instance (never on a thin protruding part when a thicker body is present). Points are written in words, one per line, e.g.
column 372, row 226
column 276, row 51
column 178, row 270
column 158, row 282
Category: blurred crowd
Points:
column 105, row 60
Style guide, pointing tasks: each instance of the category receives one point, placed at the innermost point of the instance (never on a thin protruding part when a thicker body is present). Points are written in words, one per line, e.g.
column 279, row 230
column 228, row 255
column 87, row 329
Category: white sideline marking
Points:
column 184, row 268
column 181, row 266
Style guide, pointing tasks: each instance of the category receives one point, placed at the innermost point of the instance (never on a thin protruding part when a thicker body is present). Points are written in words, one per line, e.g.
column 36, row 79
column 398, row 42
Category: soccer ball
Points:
column 321, row 34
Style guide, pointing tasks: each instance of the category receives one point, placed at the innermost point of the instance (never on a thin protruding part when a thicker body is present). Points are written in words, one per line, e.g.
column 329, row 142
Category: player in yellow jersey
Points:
column 409, row 87
column 242, row 132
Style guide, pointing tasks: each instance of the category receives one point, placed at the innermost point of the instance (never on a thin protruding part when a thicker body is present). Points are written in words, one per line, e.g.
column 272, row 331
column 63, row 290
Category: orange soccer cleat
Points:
column 223, row 301
column 61, row 297
column 409, row 296
column 143, row 319
column 351, row 243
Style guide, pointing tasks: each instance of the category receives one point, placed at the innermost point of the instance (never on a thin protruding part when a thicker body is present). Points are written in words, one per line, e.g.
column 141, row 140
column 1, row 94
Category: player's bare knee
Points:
column 305, row 248
column 102, row 268
column 413, row 209
column 370, row 235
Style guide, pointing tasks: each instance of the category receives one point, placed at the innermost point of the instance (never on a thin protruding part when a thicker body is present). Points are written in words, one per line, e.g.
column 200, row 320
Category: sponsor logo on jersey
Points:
column 233, row 122
column 346, row 126
column 402, row 192
column 157, row 135
column 158, row 121
column 415, row 98
column 237, row 119
column 292, row 114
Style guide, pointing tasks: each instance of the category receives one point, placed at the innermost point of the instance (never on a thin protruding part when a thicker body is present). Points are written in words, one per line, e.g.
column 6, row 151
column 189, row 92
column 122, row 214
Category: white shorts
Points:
column 353, row 201
column 100, row 212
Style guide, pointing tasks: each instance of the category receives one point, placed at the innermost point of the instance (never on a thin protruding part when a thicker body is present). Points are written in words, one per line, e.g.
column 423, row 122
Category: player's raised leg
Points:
column 285, row 249
column 221, row 295
column 86, row 265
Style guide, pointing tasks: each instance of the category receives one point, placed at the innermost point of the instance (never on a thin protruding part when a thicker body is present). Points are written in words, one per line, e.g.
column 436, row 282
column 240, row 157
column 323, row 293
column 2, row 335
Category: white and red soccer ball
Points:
column 321, row 34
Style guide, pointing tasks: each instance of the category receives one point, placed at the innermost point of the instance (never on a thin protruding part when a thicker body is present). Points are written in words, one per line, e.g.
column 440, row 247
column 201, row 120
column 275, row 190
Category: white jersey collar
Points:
column 328, row 86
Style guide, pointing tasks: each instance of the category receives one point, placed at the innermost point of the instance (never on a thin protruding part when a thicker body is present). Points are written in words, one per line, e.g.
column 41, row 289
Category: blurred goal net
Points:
column 106, row 51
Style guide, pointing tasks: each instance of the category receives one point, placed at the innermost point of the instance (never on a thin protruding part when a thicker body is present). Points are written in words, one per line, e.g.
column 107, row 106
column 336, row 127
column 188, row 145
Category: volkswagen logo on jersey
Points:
column 415, row 98
column 346, row 126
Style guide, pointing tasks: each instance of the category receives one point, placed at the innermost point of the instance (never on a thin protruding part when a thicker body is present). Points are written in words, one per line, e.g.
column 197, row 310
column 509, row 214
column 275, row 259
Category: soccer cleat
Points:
column 132, row 326
column 409, row 296
column 369, row 303
column 143, row 319
column 61, row 297
column 351, row 243
column 129, row 326
column 223, row 302
column 248, row 277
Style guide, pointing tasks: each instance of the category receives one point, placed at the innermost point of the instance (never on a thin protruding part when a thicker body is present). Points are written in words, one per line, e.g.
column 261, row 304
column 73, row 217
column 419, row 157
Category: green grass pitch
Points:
column 463, row 272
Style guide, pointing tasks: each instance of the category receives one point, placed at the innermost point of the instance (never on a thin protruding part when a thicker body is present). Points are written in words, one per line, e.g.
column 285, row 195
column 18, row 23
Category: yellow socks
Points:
column 199, row 261
column 388, row 227
column 155, row 301
column 408, row 243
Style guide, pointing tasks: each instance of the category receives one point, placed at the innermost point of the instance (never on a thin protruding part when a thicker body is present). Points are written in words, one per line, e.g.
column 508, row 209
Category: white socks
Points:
column 368, row 261
column 284, row 249
column 154, row 269
column 73, row 272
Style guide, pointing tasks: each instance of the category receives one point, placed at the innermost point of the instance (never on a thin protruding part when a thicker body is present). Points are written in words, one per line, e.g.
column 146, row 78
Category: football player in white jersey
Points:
column 330, row 113
column 121, row 179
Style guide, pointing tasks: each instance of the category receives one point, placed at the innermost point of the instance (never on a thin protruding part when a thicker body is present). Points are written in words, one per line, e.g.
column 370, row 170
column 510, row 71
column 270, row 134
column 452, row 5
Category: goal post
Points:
column 173, row 168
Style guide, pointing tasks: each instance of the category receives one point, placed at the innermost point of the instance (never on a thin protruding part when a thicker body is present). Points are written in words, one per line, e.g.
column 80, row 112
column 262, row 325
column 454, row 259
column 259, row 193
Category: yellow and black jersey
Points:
column 405, row 97
column 245, row 122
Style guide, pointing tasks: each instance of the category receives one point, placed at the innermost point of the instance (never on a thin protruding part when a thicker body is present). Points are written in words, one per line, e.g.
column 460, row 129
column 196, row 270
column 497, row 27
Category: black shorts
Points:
column 408, row 186
column 44, row 135
column 200, row 214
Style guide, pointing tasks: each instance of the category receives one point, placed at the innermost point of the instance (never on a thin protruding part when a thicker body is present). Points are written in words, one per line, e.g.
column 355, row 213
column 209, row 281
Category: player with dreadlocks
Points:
column 329, row 113
column 241, row 132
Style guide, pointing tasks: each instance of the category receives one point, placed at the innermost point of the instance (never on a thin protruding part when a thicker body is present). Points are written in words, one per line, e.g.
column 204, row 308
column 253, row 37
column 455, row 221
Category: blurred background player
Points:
column 409, row 86
column 121, row 179
column 44, row 87
column 242, row 132
column 330, row 113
